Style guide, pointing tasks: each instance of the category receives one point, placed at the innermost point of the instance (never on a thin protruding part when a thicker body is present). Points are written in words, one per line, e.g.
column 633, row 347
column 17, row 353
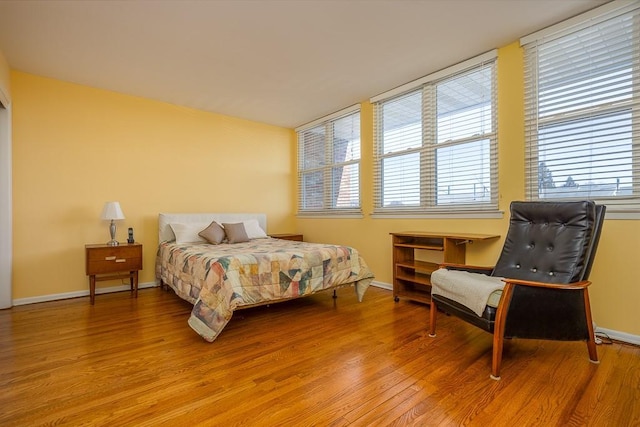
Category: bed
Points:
column 222, row 277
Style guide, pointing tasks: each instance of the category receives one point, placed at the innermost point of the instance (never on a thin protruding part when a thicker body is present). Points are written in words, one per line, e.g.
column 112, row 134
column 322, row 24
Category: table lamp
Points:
column 112, row 211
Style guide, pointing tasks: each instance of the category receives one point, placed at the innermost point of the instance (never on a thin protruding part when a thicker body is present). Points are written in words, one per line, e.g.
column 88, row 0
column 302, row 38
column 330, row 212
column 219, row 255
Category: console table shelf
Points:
column 411, row 277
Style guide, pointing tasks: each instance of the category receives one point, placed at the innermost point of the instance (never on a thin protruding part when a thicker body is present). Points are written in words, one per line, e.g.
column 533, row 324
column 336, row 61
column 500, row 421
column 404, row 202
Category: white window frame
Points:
column 329, row 206
column 428, row 206
column 619, row 205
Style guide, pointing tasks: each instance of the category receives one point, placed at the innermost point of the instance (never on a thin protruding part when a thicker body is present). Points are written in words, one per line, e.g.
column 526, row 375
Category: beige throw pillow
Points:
column 213, row 234
column 235, row 232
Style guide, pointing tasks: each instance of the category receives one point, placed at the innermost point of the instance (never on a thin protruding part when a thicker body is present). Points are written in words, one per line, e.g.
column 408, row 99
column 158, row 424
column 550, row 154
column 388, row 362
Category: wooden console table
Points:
column 411, row 277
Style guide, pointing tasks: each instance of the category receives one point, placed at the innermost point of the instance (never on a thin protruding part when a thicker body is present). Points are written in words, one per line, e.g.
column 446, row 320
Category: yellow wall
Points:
column 615, row 293
column 75, row 147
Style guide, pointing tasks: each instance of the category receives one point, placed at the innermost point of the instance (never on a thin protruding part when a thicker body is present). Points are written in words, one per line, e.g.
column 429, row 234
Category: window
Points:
column 582, row 109
column 436, row 143
column 329, row 164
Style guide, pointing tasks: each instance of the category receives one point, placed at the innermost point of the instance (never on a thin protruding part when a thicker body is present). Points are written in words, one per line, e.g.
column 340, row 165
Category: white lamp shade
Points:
column 112, row 210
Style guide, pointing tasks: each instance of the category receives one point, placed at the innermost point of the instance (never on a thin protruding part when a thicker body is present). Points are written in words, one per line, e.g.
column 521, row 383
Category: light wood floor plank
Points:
column 313, row 361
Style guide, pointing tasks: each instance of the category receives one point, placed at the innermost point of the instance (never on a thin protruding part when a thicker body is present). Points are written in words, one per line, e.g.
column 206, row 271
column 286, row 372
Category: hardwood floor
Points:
column 313, row 361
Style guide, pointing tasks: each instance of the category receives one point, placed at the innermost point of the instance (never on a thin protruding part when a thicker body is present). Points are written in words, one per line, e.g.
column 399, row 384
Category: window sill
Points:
column 621, row 215
column 440, row 215
column 330, row 215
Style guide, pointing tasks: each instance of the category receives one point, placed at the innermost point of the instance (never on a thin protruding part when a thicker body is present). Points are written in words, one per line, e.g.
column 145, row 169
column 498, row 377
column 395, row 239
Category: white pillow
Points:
column 188, row 233
column 253, row 229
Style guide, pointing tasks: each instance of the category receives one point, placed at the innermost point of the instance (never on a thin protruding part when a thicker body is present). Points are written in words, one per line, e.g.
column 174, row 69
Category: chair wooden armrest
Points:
column 576, row 285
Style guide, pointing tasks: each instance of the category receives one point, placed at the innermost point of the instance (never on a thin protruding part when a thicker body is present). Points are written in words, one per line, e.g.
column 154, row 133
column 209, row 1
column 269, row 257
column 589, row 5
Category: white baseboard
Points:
column 76, row 294
column 382, row 285
column 620, row 336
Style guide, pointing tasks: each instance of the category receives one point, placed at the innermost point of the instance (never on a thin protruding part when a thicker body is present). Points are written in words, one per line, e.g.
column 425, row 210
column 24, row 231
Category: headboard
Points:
column 165, row 233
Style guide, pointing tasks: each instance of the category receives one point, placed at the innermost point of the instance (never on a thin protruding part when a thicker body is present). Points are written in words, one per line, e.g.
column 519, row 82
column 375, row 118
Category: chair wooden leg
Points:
column 498, row 330
column 498, row 343
column 432, row 319
column 591, row 341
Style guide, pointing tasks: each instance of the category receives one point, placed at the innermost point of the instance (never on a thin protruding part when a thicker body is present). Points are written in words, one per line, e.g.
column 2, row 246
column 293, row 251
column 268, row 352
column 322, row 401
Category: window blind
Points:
column 329, row 165
column 436, row 145
column 582, row 100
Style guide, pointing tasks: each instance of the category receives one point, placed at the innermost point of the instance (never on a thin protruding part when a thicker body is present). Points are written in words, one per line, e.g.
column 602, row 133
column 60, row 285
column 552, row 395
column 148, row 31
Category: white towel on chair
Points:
column 469, row 289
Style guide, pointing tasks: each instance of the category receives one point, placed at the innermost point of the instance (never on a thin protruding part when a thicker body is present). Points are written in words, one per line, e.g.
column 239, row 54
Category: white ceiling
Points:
column 283, row 62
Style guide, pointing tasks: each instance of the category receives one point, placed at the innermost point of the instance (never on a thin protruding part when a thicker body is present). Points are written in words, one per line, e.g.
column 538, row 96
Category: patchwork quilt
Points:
column 217, row 279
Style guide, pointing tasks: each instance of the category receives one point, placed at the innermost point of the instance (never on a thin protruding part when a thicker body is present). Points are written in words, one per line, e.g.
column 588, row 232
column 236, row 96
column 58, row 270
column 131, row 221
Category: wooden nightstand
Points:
column 113, row 262
column 288, row 236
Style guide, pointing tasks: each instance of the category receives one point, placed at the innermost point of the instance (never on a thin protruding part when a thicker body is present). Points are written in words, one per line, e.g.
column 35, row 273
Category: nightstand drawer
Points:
column 114, row 265
column 110, row 253
column 110, row 259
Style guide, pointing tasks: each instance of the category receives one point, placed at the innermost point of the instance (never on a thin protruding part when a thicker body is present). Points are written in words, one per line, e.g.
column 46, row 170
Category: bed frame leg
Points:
column 334, row 294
